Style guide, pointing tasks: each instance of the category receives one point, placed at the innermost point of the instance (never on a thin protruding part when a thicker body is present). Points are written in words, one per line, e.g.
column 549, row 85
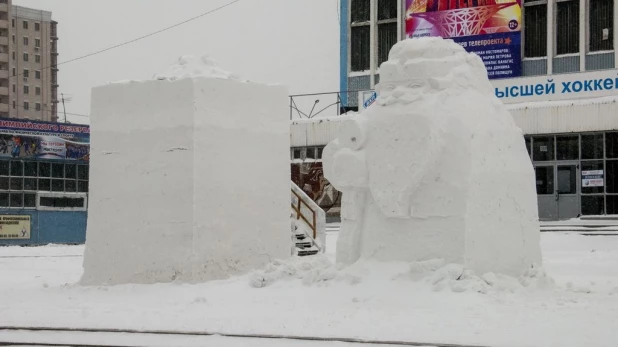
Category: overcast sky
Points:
column 292, row 42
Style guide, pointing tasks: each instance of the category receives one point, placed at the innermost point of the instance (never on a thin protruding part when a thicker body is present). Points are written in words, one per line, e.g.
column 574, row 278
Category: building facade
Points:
column 28, row 63
column 552, row 62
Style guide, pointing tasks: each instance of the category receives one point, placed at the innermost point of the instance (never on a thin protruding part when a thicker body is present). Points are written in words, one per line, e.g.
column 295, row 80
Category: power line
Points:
column 45, row 108
column 139, row 38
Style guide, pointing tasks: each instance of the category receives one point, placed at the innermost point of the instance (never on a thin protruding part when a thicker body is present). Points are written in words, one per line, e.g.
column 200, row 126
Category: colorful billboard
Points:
column 489, row 28
column 42, row 140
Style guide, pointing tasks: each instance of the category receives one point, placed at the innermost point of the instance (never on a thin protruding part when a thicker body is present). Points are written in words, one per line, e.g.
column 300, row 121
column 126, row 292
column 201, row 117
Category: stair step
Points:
column 301, row 236
column 304, row 244
column 307, row 251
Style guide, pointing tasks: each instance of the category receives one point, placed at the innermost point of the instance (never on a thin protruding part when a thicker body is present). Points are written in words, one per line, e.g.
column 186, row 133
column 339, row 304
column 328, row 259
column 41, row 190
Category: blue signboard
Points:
column 500, row 52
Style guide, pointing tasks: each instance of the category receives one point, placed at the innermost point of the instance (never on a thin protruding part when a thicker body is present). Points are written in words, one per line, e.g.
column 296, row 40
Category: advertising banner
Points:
column 489, row 28
column 42, row 140
column 592, row 178
column 14, row 227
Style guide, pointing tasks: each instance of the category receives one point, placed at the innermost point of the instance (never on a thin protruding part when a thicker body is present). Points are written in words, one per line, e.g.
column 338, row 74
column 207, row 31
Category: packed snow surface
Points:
column 189, row 66
column 574, row 305
column 170, row 198
column 436, row 168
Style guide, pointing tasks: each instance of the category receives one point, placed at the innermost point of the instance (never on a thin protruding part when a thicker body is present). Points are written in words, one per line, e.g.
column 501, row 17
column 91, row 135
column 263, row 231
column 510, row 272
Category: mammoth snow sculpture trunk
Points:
column 436, row 168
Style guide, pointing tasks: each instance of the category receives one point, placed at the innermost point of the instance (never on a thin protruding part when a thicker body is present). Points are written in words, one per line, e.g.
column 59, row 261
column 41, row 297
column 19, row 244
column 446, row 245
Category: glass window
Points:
column 320, row 151
column 17, row 183
column 25, row 25
column 4, row 183
column 387, row 38
column 543, row 148
column 62, row 202
column 58, row 170
column 82, row 186
column 592, row 177
column 567, row 179
column 44, row 184
column 593, row 205
column 44, row 170
column 612, row 176
column 17, row 168
column 360, row 11
column 387, row 9
column 70, row 186
column 70, row 171
column 57, row 185
column 30, row 169
column 4, row 199
column 4, row 167
column 611, row 202
column 544, row 180
column 17, row 200
column 37, row 26
column 310, row 153
column 535, row 31
column 30, row 183
column 567, row 147
column 611, row 145
column 82, row 172
column 601, row 25
column 567, row 27
column 592, row 146
column 29, row 200
column 528, row 144
column 359, row 50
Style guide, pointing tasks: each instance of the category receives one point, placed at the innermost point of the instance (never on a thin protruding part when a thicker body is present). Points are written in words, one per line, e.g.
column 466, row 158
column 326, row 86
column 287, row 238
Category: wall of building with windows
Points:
column 44, row 174
column 558, row 36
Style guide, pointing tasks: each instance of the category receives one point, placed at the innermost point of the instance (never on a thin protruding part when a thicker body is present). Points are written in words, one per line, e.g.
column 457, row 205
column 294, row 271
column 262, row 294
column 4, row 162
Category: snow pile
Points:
column 173, row 203
column 436, row 168
column 189, row 66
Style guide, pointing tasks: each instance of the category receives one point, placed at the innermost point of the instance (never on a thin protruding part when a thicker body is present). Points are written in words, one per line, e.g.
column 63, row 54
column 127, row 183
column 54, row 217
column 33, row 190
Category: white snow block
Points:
column 189, row 180
column 436, row 168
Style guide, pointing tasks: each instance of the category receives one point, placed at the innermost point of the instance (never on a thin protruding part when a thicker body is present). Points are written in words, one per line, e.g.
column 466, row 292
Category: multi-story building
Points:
column 28, row 63
column 553, row 62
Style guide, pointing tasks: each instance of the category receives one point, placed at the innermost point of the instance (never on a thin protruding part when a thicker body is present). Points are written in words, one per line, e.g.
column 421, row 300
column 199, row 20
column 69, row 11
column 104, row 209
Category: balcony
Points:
column 4, row 7
column 4, row 107
column 4, row 24
column 4, row 74
column 4, row 41
column 4, row 90
column 4, row 57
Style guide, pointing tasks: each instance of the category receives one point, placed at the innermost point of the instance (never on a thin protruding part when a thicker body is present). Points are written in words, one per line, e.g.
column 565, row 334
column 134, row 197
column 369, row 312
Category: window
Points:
column 14, row 55
column 37, row 58
column 37, row 26
column 543, row 148
column 37, row 90
column 25, row 56
column 26, row 73
column 25, row 24
column 62, row 202
column 535, row 30
column 592, row 146
column 567, row 147
column 387, row 28
column 544, row 180
column 37, row 75
column 567, row 27
column 14, row 104
column 14, row 88
column 13, row 38
column 611, row 145
column 360, row 35
column 591, row 170
column 37, row 42
column 13, row 23
column 37, row 106
column 26, row 41
column 14, row 72
column 26, row 89
column 601, row 23
column 26, row 105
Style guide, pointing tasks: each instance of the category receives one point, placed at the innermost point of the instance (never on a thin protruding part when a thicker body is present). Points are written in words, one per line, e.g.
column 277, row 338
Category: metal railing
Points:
column 313, row 224
column 340, row 103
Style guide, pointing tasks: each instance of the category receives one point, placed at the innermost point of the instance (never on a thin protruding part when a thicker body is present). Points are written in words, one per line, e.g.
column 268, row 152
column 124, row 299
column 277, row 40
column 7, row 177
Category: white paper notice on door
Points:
column 593, row 178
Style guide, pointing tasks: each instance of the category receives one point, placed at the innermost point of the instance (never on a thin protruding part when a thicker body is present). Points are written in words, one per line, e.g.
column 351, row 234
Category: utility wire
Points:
column 139, row 38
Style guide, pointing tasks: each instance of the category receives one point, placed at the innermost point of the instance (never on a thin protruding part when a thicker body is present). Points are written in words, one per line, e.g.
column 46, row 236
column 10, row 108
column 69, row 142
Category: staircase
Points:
column 308, row 224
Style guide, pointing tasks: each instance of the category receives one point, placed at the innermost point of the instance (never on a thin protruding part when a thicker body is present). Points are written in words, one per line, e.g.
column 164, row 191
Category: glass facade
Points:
column 594, row 176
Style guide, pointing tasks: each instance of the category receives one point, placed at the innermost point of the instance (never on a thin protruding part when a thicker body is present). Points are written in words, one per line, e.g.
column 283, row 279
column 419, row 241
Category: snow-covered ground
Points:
column 37, row 288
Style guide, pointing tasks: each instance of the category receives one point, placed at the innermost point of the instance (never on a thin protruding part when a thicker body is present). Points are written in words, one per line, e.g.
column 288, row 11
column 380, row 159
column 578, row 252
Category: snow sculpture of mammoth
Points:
column 436, row 168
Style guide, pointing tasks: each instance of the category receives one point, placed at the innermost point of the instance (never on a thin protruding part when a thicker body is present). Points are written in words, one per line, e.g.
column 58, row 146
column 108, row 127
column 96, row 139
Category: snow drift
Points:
column 189, row 178
column 436, row 168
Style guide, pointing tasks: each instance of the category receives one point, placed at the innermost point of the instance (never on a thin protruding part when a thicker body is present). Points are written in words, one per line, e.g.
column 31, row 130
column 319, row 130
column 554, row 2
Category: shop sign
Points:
column 14, row 227
column 592, row 178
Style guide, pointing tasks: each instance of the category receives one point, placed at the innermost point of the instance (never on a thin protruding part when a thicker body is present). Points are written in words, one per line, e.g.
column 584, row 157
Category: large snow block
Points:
column 189, row 180
column 436, row 168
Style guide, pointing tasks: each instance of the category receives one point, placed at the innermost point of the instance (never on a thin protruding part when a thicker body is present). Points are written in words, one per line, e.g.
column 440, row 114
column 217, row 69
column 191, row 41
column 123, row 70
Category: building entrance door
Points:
column 567, row 190
column 558, row 189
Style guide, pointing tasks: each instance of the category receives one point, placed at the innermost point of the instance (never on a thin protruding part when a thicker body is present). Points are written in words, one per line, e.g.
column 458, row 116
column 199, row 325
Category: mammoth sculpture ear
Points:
column 440, row 83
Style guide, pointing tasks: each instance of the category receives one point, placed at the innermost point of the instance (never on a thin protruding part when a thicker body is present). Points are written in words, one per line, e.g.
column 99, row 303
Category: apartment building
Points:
column 28, row 63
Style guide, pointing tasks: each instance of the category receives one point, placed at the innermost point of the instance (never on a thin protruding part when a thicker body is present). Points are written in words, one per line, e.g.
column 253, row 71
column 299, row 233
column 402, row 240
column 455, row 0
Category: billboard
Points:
column 14, row 227
column 43, row 140
column 489, row 28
